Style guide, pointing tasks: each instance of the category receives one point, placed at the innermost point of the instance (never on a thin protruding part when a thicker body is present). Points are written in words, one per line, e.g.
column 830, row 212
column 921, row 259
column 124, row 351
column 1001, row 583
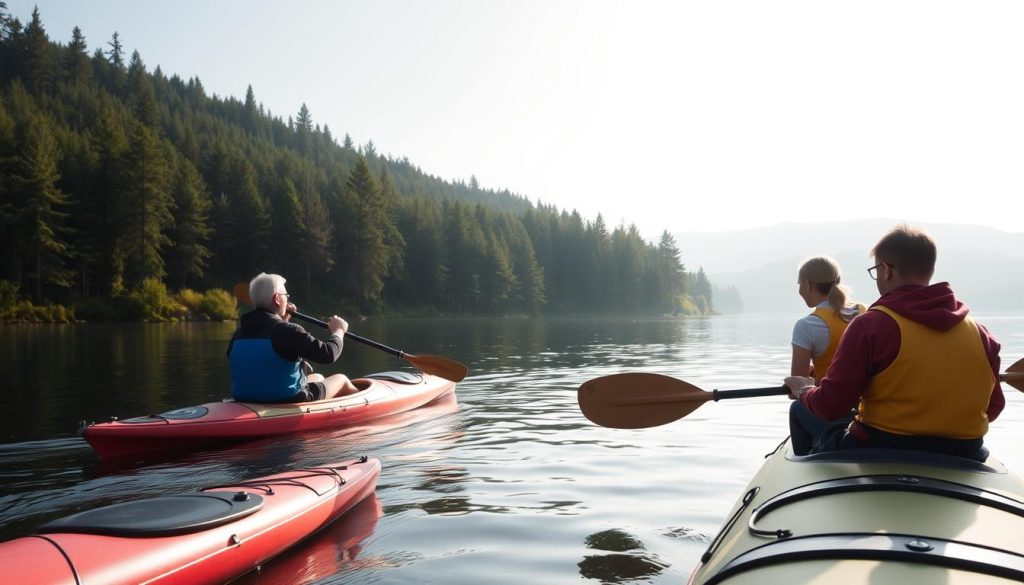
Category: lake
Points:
column 507, row 483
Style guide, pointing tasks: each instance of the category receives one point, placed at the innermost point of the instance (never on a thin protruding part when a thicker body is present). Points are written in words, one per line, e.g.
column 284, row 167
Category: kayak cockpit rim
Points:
column 907, row 548
column 916, row 484
column 899, row 456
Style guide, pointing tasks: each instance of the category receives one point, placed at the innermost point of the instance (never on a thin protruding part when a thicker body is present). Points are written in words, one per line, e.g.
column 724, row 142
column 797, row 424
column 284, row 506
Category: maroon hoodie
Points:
column 872, row 341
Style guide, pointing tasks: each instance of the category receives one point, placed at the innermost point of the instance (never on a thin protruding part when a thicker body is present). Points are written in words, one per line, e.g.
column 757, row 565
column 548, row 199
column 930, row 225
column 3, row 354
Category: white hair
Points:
column 263, row 287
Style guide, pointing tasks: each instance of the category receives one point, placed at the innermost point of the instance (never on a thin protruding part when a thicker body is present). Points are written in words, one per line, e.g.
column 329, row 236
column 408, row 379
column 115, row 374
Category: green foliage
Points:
column 215, row 304
column 25, row 311
column 189, row 253
column 150, row 302
column 8, row 293
column 688, row 306
column 14, row 309
column 219, row 305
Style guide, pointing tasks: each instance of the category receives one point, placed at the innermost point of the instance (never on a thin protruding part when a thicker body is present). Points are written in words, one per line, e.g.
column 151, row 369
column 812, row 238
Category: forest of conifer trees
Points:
column 114, row 177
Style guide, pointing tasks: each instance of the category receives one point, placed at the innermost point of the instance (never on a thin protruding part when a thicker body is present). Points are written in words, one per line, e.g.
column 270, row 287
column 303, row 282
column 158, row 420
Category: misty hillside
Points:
column 117, row 179
column 984, row 265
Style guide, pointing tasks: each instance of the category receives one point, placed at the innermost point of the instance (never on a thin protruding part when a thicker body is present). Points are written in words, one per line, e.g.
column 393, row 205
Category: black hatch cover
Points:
column 160, row 516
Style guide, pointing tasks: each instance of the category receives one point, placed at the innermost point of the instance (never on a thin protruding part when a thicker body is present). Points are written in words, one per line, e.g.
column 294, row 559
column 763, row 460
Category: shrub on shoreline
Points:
column 149, row 302
column 215, row 304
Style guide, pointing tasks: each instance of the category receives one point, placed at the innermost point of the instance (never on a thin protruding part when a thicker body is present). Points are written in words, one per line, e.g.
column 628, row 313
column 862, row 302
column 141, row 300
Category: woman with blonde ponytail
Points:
column 816, row 336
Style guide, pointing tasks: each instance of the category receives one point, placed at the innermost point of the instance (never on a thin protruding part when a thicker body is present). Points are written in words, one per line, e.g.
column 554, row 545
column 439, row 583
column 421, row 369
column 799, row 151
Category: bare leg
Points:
column 338, row 385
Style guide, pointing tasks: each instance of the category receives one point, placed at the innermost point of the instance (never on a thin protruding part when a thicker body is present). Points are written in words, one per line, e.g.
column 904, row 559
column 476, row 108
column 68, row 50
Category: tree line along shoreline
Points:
column 127, row 194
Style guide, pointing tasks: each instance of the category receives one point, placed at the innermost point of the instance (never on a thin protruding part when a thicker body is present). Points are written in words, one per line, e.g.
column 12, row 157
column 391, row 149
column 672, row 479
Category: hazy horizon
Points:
column 671, row 116
column 984, row 265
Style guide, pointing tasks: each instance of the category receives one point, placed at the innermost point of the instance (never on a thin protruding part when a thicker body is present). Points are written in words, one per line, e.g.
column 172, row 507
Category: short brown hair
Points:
column 909, row 249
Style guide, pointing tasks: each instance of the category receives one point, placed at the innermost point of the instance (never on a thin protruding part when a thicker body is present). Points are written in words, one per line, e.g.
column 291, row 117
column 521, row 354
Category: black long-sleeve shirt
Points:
column 289, row 340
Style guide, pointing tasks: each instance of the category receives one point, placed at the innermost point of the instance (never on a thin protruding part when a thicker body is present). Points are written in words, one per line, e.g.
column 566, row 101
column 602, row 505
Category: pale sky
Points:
column 686, row 116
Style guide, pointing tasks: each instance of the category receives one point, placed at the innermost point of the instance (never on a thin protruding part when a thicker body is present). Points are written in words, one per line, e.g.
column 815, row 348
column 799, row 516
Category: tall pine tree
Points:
column 188, row 252
column 147, row 206
column 371, row 257
column 78, row 69
column 43, row 209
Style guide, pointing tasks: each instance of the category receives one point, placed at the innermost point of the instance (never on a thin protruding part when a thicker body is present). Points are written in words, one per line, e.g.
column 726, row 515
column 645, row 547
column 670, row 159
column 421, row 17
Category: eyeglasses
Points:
column 873, row 271
column 285, row 295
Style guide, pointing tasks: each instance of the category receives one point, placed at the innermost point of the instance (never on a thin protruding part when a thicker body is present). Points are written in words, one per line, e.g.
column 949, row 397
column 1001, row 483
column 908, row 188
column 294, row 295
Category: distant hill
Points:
column 984, row 265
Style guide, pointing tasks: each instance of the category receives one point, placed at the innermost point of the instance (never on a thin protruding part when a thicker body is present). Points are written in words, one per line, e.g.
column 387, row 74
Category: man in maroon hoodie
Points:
column 920, row 372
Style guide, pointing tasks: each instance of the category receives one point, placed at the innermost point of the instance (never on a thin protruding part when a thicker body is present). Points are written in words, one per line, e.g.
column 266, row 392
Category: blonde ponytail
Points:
column 824, row 275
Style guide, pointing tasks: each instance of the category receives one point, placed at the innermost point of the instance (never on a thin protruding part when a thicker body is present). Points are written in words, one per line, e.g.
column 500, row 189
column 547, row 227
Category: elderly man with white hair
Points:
column 267, row 353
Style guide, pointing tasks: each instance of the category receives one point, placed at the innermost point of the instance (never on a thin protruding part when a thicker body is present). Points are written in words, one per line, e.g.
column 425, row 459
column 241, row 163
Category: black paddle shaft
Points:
column 717, row 395
column 313, row 320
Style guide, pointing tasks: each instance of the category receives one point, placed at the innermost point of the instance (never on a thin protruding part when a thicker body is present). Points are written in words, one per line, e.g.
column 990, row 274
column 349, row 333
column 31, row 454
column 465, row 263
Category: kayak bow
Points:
column 209, row 536
column 873, row 516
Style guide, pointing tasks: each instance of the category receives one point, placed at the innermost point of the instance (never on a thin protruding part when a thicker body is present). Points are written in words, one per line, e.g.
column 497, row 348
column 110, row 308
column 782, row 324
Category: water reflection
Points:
column 618, row 566
column 511, row 466
column 337, row 548
column 58, row 375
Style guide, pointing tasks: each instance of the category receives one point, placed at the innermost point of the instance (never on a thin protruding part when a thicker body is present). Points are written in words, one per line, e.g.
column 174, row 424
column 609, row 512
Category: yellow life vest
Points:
column 836, row 327
column 939, row 385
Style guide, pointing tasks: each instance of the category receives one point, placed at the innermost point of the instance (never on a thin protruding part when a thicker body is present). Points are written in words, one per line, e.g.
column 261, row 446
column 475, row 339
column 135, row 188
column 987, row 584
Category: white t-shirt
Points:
column 811, row 332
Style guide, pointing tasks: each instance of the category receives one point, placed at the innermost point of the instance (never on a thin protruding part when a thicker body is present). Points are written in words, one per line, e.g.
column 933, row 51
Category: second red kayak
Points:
column 209, row 536
column 207, row 425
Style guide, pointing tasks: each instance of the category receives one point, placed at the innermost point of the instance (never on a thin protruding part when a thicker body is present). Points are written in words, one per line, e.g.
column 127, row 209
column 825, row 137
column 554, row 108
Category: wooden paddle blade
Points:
column 241, row 291
column 438, row 366
column 638, row 401
column 1014, row 375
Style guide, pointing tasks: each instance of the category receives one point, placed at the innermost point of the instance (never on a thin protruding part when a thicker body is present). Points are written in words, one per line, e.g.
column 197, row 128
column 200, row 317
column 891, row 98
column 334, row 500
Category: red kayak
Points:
column 207, row 425
column 209, row 536
column 334, row 549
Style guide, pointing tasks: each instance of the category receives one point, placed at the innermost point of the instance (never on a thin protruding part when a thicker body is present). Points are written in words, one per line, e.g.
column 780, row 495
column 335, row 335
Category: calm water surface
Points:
column 508, row 483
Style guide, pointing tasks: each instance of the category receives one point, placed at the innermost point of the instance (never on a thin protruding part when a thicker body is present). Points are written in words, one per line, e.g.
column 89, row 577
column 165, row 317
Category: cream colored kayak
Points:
column 875, row 517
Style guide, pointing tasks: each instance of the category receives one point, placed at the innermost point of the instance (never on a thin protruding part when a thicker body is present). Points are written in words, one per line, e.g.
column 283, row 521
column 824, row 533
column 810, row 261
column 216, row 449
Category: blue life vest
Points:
column 258, row 374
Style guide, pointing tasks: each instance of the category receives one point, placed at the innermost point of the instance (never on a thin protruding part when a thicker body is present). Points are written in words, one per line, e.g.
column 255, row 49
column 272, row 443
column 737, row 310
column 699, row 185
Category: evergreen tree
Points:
column 116, row 52
column 369, row 150
column 241, row 218
column 191, row 232
column 148, row 204
column 425, row 269
column 466, row 250
column 288, row 214
column 39, row 60
column 42, row 210
column 142, row 96
column 702, row 292
column 317, row 235
column 251, row 114
column 303, row 130
column 10, row 206
column 77, row 66
column 101, row 215
column 628, row 255
column 597, row 273
column 498, row 280
column 195, row 92
column 528, row 294
column 189, row 145
column 5, row 22
column 374, row 246
column 668, row 272
column 304, row 120
column 115, row 69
